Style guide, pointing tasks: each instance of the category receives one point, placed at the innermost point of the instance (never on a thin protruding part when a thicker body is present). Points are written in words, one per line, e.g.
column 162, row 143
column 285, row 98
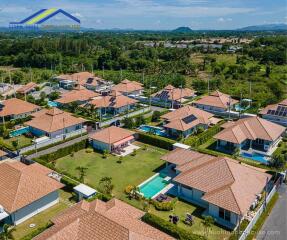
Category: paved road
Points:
column 57, row 147
column 275, row 227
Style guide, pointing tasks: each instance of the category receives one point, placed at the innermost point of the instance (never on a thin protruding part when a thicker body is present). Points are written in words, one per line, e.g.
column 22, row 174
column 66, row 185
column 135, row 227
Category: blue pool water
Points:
column 153, row 186
column 256, row 157
column 151, row 129
column 19, row 132
column 52, row 104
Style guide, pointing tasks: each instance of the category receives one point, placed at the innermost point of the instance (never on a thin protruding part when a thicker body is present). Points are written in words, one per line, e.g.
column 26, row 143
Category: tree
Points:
column 15, row 144
column 106, row 185
column 139, row 120
column 105, row 153
column 82, row 173
column 54, row 95
column 7, row 232
column 155, row 116
column 128, row 122
column 207, row 223
column 278, row 161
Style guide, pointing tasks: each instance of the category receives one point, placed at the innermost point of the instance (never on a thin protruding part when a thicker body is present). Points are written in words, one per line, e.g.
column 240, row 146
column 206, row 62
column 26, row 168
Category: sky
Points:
column 155, row 14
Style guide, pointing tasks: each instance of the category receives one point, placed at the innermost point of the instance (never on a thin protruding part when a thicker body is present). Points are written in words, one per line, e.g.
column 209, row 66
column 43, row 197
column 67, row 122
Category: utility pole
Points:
column 121, row 74
column 229, row 105
column 208, row 85
column 250, row 89
column 103, row 71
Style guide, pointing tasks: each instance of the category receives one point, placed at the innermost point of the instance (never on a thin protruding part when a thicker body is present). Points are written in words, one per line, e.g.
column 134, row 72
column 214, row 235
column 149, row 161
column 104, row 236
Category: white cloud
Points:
column 223, row 20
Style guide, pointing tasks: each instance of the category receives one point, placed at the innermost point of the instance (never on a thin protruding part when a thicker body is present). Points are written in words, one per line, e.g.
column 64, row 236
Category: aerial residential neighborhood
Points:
column 143, row 120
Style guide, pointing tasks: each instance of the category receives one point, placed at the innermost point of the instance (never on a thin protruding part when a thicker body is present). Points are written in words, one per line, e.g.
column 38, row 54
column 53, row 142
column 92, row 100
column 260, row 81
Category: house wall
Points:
column 23, row 115
column 38, row 132
column 34, row 208
column 191, row 194
column 210, row 108
column 213, row 211
column 101, row 145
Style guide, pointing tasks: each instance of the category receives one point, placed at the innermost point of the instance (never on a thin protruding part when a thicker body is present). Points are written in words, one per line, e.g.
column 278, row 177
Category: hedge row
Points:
column 243, row 226
column 156, row 140
column 69, row 183
column 64, row 151
column 170, row 228
column 36, row 232
column 53, row 144
column 203, row 137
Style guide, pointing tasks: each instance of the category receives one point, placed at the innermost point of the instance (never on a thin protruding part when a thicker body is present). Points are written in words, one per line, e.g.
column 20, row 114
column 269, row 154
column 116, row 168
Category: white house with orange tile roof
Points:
column 54, row 122
column 173, row 97
column 185, row 121
column 217, row 103
column 127, row 87
column 223, row 186
column 276, row 113
column 114, row 103
column 101, row 220
column 26, row 190
column 28, row 88
column 15, row 108
column 250, row 134
column 111, row 139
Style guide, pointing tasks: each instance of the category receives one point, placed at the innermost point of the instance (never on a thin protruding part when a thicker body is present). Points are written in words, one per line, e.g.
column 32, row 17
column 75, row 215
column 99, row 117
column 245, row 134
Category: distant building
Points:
column 54, row 122
column 111, row 138
column 225, row 188
column 250, row 134
column 26, row 190
column 185, row 121
column 217, row 103
column 28, row 88
column 15, row 108
column 276, row 113
column 101, row 220
column 127, row 87
column 172, row 97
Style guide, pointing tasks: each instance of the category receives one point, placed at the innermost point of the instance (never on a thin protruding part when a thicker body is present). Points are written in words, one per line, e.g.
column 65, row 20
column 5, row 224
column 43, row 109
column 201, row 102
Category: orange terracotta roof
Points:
column 127, row 86
column 186, row 117
column 111, row 135
column 15, row 106
column 21, row 185
column 79, row 94
column 274, row 107
column 217, row 99
column 2, row 153
column 173, row 93
column 51, row 120
column 225, row 182
column 115, row 100
column 26, row 88
column 99, row 220
column 250, row 128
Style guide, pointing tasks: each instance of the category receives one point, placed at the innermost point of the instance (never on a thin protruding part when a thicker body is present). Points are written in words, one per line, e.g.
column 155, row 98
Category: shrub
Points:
column 37, row 232
column 89, row 150
column 128, row 189
column 155, row 116
column 69, row 183
column 134, row 153
column 164, row 206
column 156, row 140
column 170, row 228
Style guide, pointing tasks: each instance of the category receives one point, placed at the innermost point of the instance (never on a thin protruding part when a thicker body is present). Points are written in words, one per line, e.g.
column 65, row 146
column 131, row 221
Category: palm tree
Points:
column 7, row 232
column 82, row 173
column 207, row 223
column 106, row 185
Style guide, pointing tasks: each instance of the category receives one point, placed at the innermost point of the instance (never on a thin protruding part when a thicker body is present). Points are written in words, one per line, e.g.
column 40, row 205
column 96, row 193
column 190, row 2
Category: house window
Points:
column 224, row 214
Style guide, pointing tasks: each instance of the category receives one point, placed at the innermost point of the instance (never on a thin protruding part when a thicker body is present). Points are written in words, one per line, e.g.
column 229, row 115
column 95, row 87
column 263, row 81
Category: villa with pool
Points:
column 253, row 136
column 186, row 120
column 15, row 108
column 55, row 122
column 226, row 189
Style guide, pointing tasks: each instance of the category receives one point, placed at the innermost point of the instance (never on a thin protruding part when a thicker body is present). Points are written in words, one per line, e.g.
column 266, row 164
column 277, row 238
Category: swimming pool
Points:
column 52, row 104
column 19, row 131
column 256, row 157
column 155, row 130
column 153, row 186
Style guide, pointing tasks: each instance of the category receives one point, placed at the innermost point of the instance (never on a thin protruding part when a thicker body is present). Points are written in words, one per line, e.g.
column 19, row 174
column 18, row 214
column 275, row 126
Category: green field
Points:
column 132, row 171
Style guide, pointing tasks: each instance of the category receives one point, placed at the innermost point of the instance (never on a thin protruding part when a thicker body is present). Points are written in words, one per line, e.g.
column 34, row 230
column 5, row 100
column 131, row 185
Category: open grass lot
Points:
column 181, row 208
column 133, row 169
column 22, row 142
column 42, row 219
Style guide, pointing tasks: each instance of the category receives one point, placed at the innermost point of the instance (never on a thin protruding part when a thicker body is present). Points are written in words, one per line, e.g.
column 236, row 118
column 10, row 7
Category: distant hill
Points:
column 182, row 30
column 265, row 27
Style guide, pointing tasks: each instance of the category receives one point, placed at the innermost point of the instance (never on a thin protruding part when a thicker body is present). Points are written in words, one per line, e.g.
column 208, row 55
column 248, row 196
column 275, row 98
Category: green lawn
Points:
column 133, row 169
column 42, row 219
column 22, row 142
column 181, row 208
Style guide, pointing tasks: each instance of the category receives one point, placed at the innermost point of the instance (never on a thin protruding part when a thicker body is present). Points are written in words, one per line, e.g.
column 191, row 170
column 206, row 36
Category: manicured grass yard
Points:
column 42, row 219
column 22, row 141
column 181, row 208
column 133, row 169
